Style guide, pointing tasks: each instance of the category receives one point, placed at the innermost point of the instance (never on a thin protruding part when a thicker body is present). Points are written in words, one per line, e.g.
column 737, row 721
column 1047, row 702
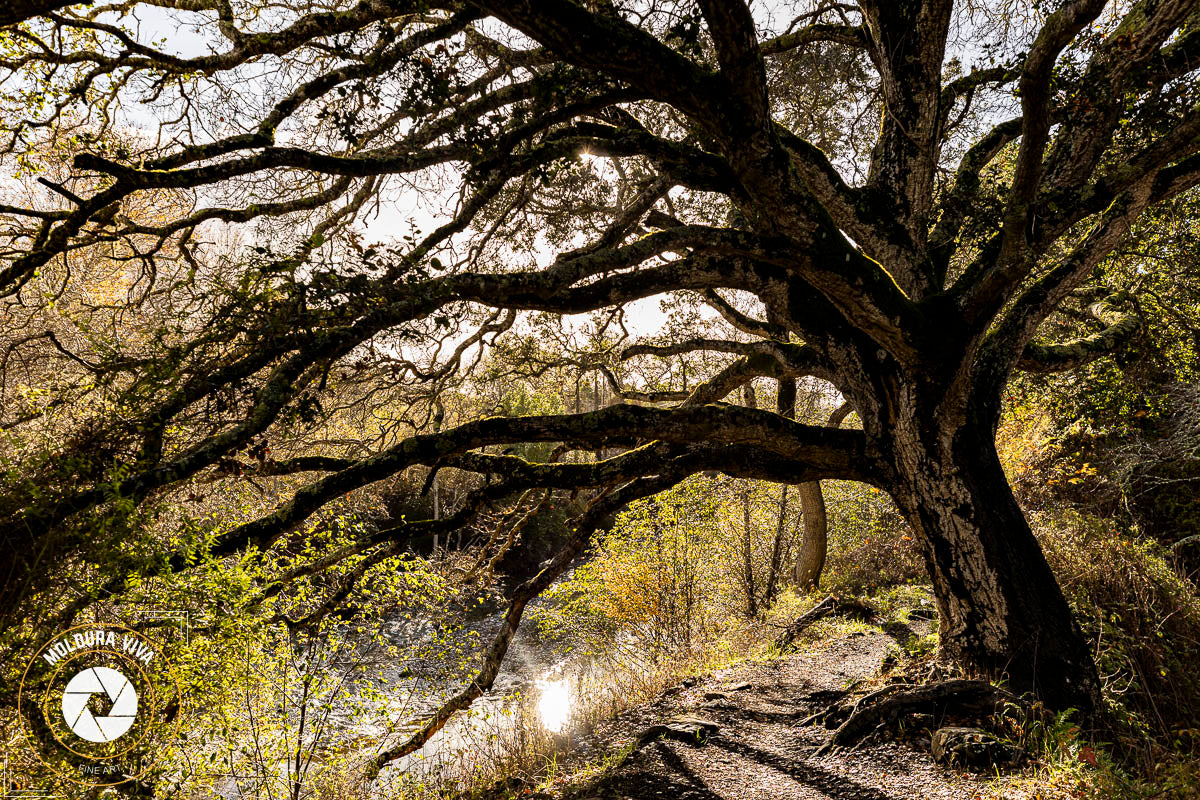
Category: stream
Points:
column 389, row 693
column 533, row 678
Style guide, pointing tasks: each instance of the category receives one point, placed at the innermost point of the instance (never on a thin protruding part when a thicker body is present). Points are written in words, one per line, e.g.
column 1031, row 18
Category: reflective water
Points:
column 554, row 704
column 535, row 684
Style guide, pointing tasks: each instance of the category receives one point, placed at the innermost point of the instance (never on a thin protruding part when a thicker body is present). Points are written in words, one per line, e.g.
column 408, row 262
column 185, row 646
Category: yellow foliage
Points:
column 1022, row 440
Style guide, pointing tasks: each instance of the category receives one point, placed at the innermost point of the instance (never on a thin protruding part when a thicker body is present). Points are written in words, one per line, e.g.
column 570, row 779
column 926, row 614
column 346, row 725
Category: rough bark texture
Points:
column 813, row 548
column 1002, row 613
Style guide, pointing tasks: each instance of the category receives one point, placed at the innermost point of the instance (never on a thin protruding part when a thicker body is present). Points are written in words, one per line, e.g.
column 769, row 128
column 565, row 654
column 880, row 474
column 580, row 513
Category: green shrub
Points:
column 870, row 545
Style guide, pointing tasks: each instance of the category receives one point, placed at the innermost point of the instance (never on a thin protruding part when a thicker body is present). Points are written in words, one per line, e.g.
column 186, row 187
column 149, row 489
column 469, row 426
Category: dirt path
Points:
column 761, row 753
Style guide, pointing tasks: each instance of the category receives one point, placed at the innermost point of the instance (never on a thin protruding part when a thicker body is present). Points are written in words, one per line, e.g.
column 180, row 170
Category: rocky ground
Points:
column 760, row 751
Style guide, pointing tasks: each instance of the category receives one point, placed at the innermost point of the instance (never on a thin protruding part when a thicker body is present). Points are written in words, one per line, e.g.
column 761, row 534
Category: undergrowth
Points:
column 1143, row 620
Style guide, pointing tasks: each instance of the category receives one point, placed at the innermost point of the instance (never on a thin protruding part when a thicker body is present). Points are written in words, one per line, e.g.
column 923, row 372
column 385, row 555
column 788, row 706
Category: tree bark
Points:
column 785, row 405
column 811, row 561
column 748, row 556
column 747, row 528
column 777, row 548
column 1001, row 610
column 815, row 546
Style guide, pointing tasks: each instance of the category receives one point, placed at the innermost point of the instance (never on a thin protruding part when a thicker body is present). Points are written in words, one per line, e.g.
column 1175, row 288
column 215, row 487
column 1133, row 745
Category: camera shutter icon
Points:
column 118, row 689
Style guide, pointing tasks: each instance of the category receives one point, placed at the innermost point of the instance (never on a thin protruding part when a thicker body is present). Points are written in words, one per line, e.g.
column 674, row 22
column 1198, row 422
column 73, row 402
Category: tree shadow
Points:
column 770, row 717
column 832, row 784
column 669, row 777
column 698, row 789
column 900, row 633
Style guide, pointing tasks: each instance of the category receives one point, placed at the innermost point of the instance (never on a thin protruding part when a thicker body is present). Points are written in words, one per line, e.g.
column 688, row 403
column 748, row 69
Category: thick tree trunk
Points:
column 1002, row 612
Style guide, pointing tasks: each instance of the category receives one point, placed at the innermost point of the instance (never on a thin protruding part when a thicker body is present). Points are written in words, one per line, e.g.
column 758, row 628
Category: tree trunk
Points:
column 747, row 533
column 777, row 548
column 815, row 545
column 811, row 561
column 1002, row 612
column 748, row 556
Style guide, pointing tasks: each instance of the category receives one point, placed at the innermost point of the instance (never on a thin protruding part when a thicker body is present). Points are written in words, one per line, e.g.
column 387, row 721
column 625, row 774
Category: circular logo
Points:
column 80, row 690
column 98, row 702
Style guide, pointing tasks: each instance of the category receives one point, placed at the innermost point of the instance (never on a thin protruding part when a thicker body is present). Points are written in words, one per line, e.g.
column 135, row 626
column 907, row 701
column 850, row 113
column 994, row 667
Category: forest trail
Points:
column 760, row 752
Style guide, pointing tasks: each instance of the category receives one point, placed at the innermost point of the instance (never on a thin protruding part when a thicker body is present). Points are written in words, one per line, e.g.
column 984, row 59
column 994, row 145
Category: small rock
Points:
column 716, row 696
column 693, row 726
column 716, row 705
column 972, row 748
column 690, row 681
column 684, row 728
column 740, row 687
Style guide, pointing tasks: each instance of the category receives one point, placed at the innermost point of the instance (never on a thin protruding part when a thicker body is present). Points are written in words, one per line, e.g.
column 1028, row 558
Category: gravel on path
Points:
column 760, row 751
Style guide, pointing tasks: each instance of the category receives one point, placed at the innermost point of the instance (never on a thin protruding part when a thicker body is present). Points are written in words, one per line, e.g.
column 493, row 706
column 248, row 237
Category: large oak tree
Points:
column 890, row 197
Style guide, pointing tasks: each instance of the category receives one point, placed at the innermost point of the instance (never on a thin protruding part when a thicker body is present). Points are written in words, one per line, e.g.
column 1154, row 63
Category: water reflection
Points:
column 554, row 706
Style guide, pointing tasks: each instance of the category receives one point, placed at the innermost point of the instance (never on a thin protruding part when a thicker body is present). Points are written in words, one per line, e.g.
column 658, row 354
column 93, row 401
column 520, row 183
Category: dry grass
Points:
column 519, row 751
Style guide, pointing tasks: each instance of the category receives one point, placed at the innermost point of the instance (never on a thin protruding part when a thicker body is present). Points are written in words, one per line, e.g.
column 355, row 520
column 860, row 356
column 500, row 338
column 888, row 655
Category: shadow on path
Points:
column 837, row 787
column 700, row 789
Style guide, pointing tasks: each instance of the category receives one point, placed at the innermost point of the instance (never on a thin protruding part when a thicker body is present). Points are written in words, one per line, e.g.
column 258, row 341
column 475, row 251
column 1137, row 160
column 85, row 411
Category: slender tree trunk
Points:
column 748, row 556
column 785, row 405
column 777, row 548
column 438, row 417
column 811, row 561
column 751, row 400
column 815, row 546
column 1002, row 612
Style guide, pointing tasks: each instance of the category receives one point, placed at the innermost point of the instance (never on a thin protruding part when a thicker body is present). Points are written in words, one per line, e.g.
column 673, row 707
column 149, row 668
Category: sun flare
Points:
column 555, row 704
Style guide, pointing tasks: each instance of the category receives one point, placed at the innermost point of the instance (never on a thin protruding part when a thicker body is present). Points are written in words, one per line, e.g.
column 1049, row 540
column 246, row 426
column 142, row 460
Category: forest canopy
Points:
column 522, row 264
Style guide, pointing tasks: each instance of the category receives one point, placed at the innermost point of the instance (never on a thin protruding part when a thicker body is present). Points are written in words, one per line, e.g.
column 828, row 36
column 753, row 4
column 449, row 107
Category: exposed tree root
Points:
column 887, row 705
column 830, row 605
